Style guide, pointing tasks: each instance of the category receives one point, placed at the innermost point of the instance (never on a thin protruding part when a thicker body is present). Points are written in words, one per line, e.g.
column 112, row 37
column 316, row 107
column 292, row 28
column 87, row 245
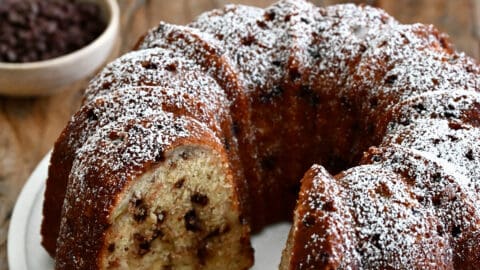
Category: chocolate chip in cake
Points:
column 440, row 229
column 288, row 17
column 375, row 240
column 178, row 127
column 106, row 84
column 469, row 155
column 277, row 63
column 185, row 155
column 159, row 157
column 261, row 24
column 419, row 107
column 161, row 216
column 383, row 190
column 179, row 183
column 114, row 135
column 308, row 221
column 436, row 200
column 472, row 116
column 269, row 15
column 172, row 67
column 139, row 209
column 156, row 233
column 449, row 114
column 452, row 138
column 382, row 44
column 143, row 244
column 362, row 48
column 200, row 199
column 456, row 231
column 111, row 247
column 91, row 115
column 391, row 79
column 437, row 177
column 248, row 40
column 376, row 158
column 305, row 20
column 191, row 221
column 149, row 65
column 329, row 206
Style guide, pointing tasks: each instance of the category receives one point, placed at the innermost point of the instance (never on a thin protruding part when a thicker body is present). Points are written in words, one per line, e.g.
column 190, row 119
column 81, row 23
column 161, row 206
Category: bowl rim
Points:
column 114, row 19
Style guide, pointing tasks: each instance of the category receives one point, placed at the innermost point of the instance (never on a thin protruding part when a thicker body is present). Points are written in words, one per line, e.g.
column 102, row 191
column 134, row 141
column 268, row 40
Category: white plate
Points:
column 26, row 253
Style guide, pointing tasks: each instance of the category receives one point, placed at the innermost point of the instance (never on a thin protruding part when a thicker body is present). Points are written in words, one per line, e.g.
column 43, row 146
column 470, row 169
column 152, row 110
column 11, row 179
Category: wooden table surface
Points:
column 29, row 126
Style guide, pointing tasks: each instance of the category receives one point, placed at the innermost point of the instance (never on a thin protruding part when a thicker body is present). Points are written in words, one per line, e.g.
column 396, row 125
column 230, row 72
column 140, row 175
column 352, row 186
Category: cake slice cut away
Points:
column 180, row 215
column 171, row 204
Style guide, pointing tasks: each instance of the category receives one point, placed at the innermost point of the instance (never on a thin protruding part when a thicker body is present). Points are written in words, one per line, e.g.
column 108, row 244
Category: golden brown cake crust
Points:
column 277, row 90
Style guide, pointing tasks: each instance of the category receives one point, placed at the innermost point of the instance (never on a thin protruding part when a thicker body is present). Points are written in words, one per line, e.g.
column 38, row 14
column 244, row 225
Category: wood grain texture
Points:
column 29, row 126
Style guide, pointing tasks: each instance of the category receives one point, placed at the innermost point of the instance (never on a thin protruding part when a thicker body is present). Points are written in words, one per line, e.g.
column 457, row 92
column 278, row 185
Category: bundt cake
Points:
column 201, row 134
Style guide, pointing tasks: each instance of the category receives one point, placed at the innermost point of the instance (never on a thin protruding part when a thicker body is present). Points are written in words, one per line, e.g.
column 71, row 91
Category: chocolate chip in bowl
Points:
column 36, row 30
column 46, row 44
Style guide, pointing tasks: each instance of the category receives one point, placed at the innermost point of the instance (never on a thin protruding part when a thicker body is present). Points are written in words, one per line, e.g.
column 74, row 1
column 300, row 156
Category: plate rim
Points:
column 16, row 250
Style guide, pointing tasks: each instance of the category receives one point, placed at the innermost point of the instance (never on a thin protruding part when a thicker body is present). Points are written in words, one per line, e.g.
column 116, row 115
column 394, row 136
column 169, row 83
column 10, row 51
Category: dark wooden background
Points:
column 29, row 126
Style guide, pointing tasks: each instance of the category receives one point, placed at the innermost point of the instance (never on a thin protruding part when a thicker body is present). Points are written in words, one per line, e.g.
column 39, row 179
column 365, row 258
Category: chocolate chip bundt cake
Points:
column 202, row 133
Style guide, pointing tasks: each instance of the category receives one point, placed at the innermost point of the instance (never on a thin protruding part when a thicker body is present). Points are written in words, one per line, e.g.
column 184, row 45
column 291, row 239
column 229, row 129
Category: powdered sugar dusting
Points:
column 200, row 47
column 409, row 60
column 349, row 30
column 408, row 210
column 255, row 41
column 154, row 67
column 436, row 185
column 409, row 205
column 383, row 62
column 128, row 141
column 443, row 124
column 115, row 154
column 146, row 101
column 323, row 207
column 389, row 227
